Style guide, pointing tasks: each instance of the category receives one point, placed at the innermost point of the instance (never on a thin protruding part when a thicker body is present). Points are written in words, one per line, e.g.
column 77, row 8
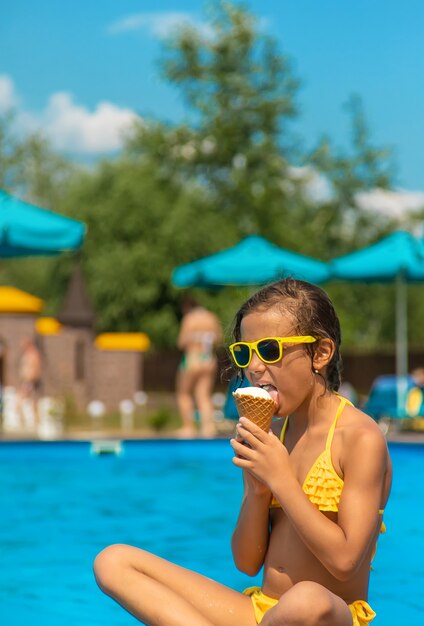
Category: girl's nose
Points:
column 256, row 364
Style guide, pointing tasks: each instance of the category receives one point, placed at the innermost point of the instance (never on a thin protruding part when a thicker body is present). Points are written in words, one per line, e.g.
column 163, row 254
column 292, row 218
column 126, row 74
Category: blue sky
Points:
column 82, row 69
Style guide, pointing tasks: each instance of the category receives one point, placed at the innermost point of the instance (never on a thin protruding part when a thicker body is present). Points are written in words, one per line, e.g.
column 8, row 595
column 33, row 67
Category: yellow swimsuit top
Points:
column 322, row 484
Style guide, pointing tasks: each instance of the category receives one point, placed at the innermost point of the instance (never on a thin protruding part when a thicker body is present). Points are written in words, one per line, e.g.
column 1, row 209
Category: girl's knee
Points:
column 108, row 565
column 314, row 600
column 306, row 604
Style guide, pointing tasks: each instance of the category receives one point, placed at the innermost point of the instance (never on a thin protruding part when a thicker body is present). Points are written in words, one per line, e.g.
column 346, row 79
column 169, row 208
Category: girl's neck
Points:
column 317, row 408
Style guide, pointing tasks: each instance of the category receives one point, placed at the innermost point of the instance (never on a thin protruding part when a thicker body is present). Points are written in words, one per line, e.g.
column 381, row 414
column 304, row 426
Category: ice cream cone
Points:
column 257, row 408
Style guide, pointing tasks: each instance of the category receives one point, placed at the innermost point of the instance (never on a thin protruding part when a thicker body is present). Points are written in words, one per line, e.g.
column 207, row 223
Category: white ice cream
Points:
column 256, row 392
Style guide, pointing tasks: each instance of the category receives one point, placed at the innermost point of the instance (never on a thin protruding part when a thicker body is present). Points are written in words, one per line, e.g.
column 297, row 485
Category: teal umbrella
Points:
column 399, row 259
column 397, row 254
column 253, row 261
column 28, row 230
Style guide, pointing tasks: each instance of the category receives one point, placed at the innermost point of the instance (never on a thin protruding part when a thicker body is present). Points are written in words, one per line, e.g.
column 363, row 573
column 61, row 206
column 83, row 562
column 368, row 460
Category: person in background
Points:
column 29, row 382
column 417, row 376
column 415, row 395
column 200, row 333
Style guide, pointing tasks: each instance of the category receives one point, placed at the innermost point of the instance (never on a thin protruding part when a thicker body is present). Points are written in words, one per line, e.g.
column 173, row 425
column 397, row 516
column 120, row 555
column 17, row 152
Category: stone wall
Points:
column 75, row 367
column 68, row 364
column 117, row 375
column 72, row 366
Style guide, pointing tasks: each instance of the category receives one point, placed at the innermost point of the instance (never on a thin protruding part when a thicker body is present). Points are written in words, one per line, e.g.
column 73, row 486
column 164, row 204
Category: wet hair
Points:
column 313, row 314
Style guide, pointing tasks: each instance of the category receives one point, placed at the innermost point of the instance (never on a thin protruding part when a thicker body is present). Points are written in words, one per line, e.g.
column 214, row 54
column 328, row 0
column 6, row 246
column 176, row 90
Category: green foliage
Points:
column 163, row 419
column 140, row 226
column 241, row 92
column 180, row 192
column 363, row 168
column 29, row 167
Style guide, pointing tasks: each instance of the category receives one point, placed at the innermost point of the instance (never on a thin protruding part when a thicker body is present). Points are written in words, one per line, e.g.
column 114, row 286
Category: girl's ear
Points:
column 323, row 353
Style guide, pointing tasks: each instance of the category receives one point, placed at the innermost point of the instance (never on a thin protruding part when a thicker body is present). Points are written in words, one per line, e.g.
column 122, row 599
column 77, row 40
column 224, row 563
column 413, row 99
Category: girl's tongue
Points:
column 272, row 392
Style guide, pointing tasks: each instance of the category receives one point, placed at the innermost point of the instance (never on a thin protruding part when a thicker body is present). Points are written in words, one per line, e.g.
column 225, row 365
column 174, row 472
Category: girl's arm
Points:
column 249, row 542
column 339, row 546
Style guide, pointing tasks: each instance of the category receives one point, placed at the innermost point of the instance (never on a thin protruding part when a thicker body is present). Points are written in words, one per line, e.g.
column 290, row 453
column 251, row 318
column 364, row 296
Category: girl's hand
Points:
column 264, row 456
column 252, row 484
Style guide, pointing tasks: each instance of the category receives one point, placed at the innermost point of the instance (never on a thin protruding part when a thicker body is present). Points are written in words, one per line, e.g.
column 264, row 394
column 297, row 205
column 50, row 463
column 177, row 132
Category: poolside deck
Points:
column 406, row 437
column 225, row 432
column 399, row 431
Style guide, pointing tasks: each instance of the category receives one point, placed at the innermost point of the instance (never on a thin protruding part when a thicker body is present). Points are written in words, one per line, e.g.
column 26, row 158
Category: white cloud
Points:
column 72, row 127
column 161, row 24
column 394, row 204
column 8, row 98
column 316, row 186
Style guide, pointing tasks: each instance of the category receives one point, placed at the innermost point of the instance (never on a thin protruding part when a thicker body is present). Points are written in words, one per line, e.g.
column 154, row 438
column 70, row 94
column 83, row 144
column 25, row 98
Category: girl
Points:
column 314, row 488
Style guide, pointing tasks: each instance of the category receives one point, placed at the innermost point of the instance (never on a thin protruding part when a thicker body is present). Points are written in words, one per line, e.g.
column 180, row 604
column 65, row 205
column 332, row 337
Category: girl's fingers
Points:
column 244, row 454
column 241, row 462
column 238, row 437
column 253, row 428
column 246, row 437
column 240, row 448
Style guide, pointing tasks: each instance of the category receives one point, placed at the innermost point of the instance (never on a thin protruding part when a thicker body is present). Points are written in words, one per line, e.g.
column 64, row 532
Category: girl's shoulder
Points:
column 358, row 429
column 359, row 443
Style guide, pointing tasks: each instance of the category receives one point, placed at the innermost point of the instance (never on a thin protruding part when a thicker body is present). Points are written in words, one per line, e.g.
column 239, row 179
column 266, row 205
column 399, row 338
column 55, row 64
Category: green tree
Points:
column 240, row 92
column 210, row 183
column 29, row 167
column 367, row 312
column 141, row 224
column 361, row 167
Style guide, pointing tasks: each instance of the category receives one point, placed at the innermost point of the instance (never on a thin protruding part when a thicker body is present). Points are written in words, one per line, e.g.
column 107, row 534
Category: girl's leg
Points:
column 160, row 593
column 309, row 604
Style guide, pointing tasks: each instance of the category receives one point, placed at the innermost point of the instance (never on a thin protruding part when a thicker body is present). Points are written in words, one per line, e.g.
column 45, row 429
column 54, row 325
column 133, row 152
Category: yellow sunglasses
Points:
column 268, row 349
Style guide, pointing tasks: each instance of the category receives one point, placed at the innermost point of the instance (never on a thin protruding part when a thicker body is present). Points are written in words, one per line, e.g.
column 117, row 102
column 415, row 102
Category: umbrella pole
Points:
column 401, row 343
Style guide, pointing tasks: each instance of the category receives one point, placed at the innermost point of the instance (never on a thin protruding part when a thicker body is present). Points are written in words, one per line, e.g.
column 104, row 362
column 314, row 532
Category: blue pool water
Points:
column 60, row 505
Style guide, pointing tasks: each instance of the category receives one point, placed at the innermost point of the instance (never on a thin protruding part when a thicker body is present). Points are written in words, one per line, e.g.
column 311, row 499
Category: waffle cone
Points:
column 260, row 411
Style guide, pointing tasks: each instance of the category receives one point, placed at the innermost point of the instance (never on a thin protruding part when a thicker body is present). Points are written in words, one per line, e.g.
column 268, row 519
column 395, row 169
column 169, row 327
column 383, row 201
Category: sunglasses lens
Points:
column 269, row 350
column 241, row 354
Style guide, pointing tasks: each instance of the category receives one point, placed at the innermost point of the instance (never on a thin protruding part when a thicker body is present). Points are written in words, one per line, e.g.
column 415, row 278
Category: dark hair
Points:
column 188, row 303
column 313, row 311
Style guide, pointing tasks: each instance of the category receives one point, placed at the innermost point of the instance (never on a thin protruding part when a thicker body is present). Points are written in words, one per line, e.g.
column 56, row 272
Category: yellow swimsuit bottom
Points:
column 362, row 613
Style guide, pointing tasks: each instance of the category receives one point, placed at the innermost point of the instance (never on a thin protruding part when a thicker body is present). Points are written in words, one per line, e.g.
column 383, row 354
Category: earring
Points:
column 316, row 371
